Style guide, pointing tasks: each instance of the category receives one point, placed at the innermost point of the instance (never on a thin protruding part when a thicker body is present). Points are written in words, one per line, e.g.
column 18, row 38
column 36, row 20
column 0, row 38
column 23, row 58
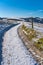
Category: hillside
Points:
column 35, row 19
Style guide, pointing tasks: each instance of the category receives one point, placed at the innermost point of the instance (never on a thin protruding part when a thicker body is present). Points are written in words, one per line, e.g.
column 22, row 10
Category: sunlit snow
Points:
column 13, row 51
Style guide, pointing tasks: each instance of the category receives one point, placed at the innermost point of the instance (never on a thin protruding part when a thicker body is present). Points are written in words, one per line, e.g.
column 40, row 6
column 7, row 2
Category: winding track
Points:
column 13, row 51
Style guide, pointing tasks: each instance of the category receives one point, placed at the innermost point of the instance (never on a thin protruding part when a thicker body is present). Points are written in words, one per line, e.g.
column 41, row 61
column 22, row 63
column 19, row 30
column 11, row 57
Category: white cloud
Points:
column 34, row 12
column 40, row 10
column 37, row 11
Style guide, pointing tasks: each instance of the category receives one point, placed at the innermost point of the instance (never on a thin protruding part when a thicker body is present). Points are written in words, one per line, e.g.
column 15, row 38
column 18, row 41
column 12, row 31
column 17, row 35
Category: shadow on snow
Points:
column 1, row 39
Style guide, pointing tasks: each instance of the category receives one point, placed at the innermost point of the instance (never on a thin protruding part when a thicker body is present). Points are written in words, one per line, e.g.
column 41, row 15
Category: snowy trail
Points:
column 13, row 51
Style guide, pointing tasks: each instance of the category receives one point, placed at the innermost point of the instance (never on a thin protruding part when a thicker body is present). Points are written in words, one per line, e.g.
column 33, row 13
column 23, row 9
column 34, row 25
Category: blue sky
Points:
column 21, row 8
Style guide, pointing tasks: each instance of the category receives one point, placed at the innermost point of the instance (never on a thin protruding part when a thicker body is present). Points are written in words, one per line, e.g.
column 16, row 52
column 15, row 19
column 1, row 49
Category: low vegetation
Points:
column 39, row 44
column 31, row 34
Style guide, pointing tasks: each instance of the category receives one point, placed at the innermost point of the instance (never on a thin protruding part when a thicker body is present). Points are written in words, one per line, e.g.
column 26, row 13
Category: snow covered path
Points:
column 13, row 51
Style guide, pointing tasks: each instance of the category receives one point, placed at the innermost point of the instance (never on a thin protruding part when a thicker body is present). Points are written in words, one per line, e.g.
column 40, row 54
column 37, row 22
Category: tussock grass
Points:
column 39, row 44
column 31, row 34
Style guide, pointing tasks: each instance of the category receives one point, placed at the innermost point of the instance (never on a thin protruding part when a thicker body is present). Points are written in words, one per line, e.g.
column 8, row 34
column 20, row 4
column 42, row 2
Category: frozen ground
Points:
column 13, row 51
column 3, row 26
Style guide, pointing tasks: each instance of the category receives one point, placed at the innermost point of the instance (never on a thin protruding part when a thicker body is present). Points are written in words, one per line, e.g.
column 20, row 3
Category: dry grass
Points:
column 39, row 44
column 31, row 34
